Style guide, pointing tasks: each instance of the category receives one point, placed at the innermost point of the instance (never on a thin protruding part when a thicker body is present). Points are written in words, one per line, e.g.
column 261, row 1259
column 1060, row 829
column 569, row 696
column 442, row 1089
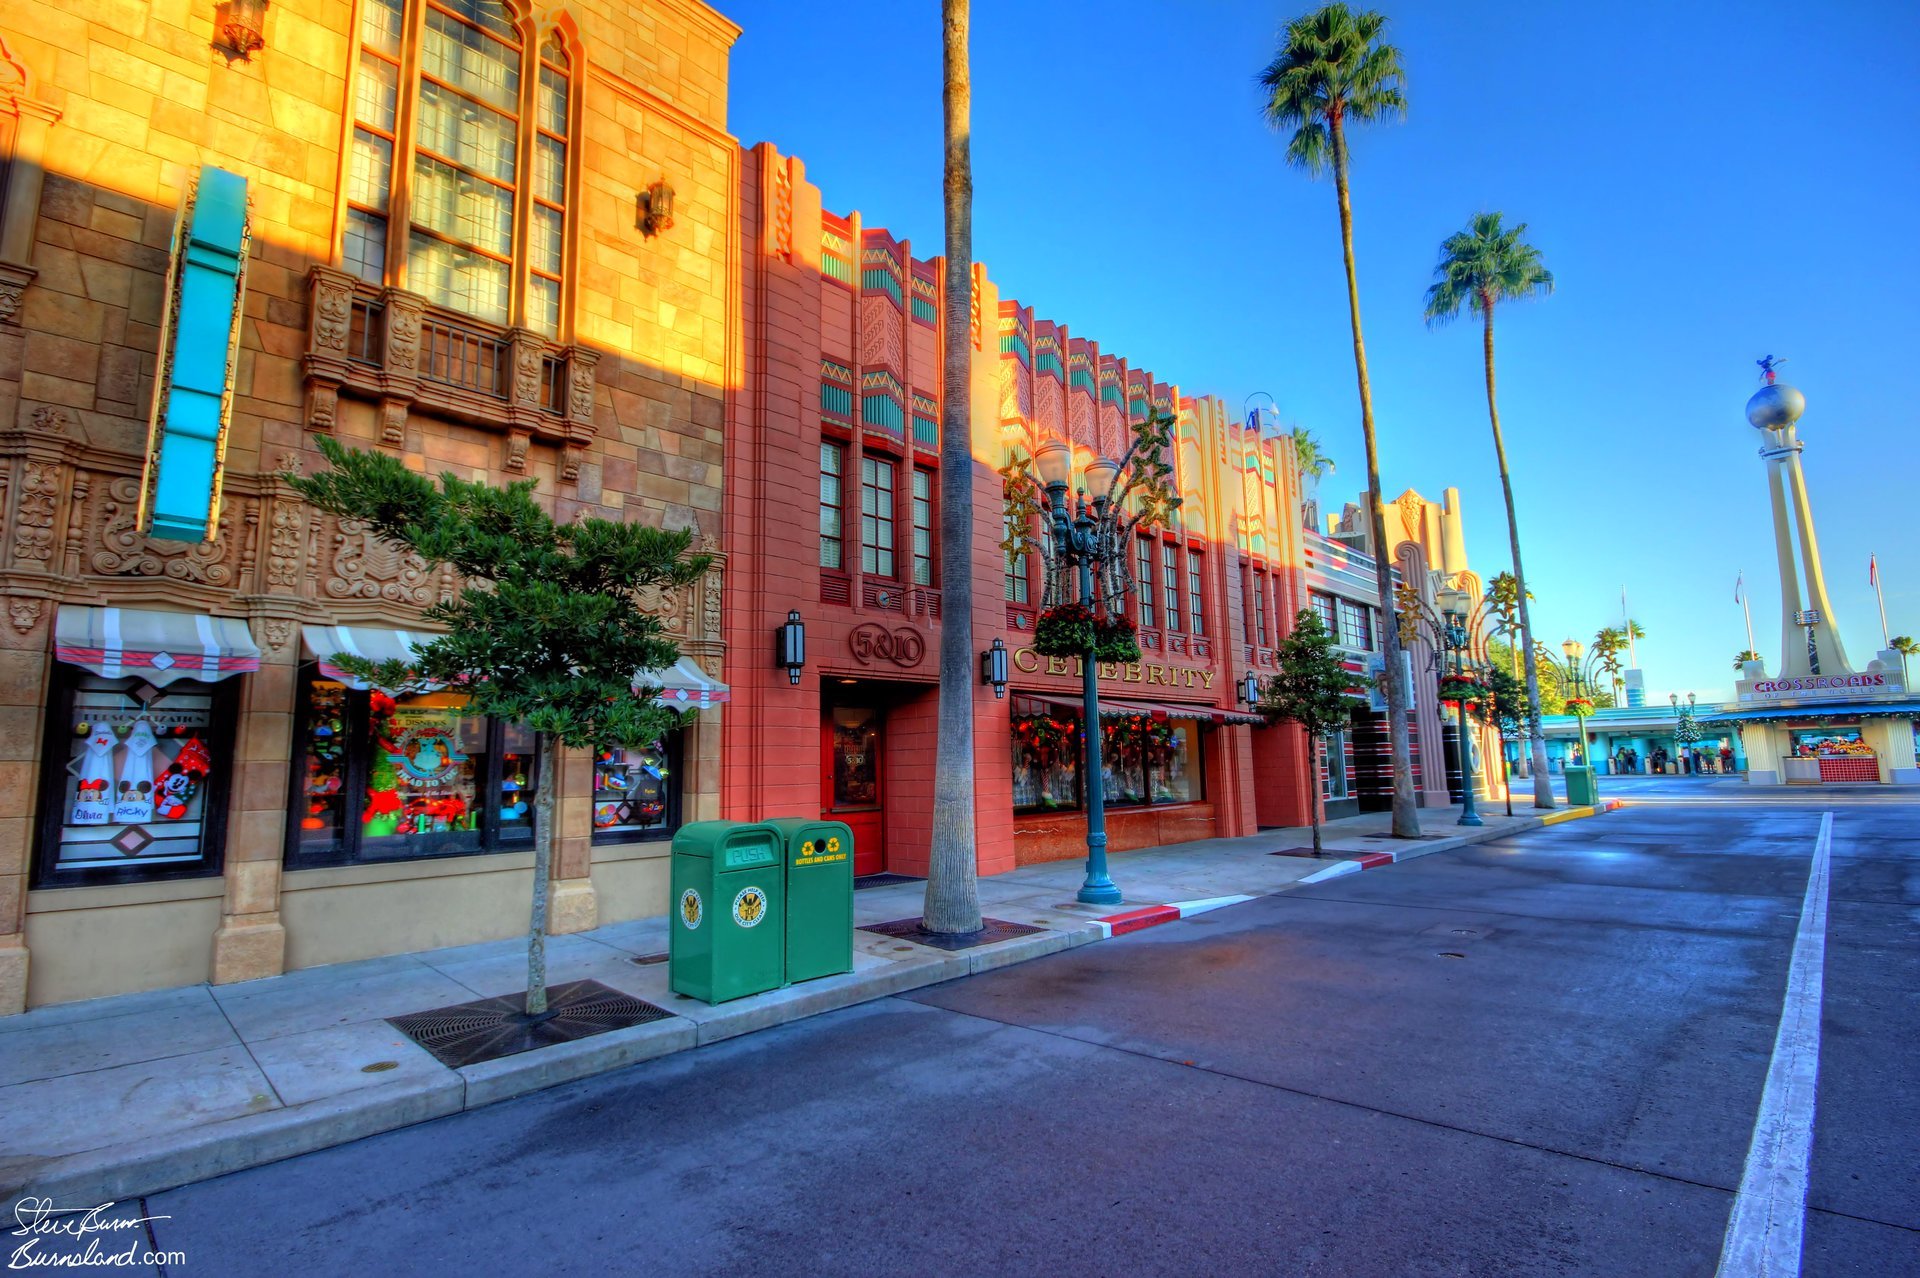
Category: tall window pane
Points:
column 459, row 278
column 1260, row 606
column 1170, row 582
column 376, row 110
column 1196, row 593
column 547, row 249
column 922, row 527
column 832, row 546
column 876, row 516
column 1143, row 582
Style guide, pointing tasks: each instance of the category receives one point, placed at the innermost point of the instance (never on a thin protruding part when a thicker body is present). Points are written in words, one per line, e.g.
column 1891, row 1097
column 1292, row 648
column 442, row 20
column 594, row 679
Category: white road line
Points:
column 1763, row 1233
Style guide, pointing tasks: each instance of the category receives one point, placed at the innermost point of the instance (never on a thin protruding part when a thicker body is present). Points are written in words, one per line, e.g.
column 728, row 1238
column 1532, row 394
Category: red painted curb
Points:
column 1133, row 920
column 1370, row 860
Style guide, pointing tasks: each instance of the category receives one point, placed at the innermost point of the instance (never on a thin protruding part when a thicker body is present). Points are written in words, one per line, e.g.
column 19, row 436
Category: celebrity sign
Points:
column 1144, row 673
column 1821, row 687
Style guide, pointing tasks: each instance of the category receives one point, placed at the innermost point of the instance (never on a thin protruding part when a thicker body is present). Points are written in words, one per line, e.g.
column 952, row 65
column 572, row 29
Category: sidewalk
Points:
column 119, row 1097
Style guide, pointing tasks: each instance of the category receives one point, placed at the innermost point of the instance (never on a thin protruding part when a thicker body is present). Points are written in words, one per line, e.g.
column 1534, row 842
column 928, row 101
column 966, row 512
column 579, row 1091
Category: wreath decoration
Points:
column 1140, row 733
column 1116, row 638
column 1046, row 737
column 1455, row 688
column 1581, row 706
column 1065, row 630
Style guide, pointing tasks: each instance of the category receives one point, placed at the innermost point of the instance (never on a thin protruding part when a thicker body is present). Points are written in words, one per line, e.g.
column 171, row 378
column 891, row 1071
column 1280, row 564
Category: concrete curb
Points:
column 136, row 1169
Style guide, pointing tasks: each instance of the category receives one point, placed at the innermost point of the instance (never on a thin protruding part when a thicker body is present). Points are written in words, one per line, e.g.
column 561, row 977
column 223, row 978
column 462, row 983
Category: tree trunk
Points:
column 1313, row 795
column 1542, row 782
column 953, row 894
column 1406, row 820
column 547, row 777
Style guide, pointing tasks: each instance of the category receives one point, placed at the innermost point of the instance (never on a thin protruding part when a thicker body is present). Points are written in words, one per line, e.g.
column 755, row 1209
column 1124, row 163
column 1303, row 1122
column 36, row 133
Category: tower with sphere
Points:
column 1809, row 639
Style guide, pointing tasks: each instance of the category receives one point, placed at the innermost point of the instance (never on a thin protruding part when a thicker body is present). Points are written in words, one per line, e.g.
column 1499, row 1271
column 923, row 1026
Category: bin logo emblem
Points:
column 749, row 907
column 691, row 909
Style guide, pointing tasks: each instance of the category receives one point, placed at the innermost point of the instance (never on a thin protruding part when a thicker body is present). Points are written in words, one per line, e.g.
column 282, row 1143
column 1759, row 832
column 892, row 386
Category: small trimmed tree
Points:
column 1313, row 689
column 546, row 628
column 1505, row 708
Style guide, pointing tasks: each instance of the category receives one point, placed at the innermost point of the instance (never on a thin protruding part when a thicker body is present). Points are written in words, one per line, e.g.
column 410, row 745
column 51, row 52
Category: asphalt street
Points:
column 1540, row 1055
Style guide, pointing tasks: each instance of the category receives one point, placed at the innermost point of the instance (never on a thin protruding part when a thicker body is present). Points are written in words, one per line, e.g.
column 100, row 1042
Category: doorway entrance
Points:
column 852, row 780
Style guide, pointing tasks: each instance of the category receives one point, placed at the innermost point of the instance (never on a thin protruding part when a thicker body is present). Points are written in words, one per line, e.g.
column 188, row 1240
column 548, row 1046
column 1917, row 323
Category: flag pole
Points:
column 1746, row 610
column 1873, row 571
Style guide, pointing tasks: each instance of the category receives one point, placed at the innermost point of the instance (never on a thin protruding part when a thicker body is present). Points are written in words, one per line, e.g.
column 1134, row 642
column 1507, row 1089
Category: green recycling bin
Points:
column 1580, row 788
column 819, row 858
column 729, row 921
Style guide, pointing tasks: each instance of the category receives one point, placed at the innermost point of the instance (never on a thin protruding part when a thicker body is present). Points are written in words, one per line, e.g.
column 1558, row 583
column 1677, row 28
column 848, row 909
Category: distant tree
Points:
column 1906, row 647
column 1479, row 268
column 1741, row 658
column 1313, row 459
column 545, row 630
column 1312, row 689
column 1505, row 709
column 1333, row 70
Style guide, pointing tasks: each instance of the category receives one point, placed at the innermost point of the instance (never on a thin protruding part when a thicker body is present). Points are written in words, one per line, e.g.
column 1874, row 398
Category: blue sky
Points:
column 1709, row 183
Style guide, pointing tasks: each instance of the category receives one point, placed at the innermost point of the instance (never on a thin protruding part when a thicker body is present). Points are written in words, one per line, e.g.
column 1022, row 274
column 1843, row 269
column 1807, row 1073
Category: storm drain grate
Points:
column 489, row 1028
column 991, row 930
column 883, row 880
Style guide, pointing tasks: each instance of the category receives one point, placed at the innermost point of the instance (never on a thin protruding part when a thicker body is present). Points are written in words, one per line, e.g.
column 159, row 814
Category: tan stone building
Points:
column 459, row 244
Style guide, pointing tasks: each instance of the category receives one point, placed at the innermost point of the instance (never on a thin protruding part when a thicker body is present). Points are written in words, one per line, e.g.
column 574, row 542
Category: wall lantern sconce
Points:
column 1250, row 689
column 656, row 209
column 791, row 646
column 240, row 27
column 993, row 668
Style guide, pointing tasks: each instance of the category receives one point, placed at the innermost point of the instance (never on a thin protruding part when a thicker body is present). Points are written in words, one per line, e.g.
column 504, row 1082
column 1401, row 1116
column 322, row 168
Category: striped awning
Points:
column 1114, row 708
column 159, row 647
column 684, row 686
column 324, row 643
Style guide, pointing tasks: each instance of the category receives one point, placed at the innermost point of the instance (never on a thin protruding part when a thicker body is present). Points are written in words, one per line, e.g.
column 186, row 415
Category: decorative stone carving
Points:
column 403, row 333
column 283, row 545
column 517, row 444
column 124, row 551
column 276, row 633
column 710, row 604
column 361, row 566
column 323, row 404
column 39, row 488
column 24, row 613
column 288, row 463
column 332, row 313
column 667, row 604
column 1412, row 510
column 526, row 373
column 571, row 458
column 49, row 420
column 393, row 422
column 580, row 390
column 783, row 208
column 14, row 279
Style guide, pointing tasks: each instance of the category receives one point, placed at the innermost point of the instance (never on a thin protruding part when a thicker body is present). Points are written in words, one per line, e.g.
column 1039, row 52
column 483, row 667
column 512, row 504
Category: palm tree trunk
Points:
column 546, row 777
column 953, row 894
column 1406, row 820
column 1542, row 782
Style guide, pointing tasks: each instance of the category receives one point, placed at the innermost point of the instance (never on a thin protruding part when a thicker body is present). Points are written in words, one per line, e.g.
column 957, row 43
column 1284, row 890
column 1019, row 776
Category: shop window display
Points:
column 386, row 778
column 135, row 786
column 1143, row 759
column 636, row 793
column 1046, row 760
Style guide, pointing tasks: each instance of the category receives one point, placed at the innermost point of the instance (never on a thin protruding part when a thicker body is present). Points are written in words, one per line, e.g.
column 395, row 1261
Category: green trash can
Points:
column 1581, row 791
column 729, row 922
column 819, row 897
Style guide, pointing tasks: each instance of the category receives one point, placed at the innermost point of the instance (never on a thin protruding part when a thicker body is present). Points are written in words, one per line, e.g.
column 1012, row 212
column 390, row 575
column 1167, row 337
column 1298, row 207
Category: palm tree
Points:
column 1333, row 70
column 1741, row 658
column 953, row 892
column 1313, row 459
column 1478, row 268
column 1906, row 647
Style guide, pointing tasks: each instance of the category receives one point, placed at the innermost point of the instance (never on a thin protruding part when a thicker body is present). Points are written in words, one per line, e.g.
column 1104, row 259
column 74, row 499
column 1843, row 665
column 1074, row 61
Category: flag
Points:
column 1873, row 570
column 1739, row 582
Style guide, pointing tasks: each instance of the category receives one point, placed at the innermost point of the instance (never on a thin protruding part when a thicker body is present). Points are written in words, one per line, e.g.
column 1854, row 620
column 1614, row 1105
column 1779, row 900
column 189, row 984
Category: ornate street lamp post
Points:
column 1083, row 539
column 1455, row 631
column 1578, row 671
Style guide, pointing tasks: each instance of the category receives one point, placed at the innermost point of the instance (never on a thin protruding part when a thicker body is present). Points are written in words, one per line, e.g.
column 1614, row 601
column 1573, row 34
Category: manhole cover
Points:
column 379, row 1067
column 647, row 960
column 1451, row 954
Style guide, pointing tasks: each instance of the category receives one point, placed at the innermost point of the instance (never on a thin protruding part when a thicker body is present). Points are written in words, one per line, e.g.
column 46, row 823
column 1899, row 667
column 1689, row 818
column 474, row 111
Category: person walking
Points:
column 1726, row 759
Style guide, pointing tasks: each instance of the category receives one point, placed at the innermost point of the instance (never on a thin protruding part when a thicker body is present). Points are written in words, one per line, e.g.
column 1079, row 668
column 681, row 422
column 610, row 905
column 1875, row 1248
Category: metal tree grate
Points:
column 991, row 930
column 489, row 1028
column 883, row 880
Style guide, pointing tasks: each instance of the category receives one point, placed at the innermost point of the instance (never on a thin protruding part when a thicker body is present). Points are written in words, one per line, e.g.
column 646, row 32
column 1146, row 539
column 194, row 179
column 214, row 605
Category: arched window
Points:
column 457, row 117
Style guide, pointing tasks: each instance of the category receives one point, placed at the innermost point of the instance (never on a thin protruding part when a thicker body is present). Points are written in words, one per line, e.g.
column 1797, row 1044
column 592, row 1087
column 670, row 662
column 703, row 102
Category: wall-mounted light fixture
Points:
column 656, row 209
column 790, row 649
column 1250, row 689
column 993, row 668
column 240, row 27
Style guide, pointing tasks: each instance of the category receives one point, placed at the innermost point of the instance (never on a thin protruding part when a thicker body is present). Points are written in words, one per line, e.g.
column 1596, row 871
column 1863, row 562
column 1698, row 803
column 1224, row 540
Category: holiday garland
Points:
column 1044, row 736
column 1580, row 706
column 1465, row 687
column 1140, row 734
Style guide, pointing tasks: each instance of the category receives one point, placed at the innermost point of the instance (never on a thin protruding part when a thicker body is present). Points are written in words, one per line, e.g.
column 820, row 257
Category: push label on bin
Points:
column 815, row 853
column 749, row 907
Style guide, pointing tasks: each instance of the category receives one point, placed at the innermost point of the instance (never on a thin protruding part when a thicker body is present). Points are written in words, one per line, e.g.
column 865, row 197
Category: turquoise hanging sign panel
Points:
column 199, row 344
